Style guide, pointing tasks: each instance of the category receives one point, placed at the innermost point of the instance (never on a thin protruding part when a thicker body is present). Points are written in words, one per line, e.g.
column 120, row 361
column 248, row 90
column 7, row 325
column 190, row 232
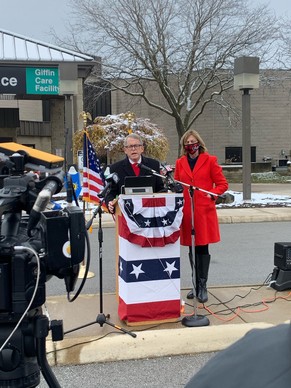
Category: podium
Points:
column 148, row 257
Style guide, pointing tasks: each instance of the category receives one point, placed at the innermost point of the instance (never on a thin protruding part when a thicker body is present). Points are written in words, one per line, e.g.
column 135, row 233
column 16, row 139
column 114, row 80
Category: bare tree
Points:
column 185, row 47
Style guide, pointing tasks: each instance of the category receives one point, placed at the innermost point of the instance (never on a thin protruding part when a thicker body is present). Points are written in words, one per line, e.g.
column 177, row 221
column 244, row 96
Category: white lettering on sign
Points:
column 45, row 72
column 5, row 81
column 39, row 80
column 48, row 88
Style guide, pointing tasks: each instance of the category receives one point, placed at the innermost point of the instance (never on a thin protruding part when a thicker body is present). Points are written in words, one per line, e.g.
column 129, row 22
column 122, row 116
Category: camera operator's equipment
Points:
column 35, row 245
column 101, row 318
column 139, row 184
column 281, row 276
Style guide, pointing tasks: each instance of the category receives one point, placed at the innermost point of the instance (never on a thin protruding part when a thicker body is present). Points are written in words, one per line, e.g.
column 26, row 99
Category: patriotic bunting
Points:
column 149, row 257
column 151, row 221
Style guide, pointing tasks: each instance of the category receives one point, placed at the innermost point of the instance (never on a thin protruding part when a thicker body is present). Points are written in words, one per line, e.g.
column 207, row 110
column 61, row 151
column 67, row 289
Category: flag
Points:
column 76, row 181
column 149, row 257
column 93, row 177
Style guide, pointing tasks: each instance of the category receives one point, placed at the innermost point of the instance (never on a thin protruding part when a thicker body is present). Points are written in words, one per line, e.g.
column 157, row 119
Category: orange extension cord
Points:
column 236, row 314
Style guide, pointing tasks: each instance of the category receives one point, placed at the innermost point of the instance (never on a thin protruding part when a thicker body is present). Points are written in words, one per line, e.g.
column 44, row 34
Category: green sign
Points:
column 42, row 80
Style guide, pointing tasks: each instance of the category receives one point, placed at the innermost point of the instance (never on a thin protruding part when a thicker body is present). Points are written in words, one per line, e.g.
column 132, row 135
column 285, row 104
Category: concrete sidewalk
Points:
column 229, row 321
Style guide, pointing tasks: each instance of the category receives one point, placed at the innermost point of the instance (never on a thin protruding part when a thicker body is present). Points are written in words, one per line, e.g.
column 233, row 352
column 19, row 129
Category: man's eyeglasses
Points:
column 133, row 146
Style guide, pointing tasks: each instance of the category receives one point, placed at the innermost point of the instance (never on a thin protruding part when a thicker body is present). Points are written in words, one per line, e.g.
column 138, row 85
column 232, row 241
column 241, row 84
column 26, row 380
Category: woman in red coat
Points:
column 199, row 169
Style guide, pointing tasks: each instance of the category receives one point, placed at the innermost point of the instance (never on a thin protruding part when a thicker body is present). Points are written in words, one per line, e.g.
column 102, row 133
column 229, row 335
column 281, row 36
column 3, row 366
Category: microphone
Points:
column 140, row 165
column 167, row 168
column 174, row 186
column 54, row 185
column 154, row 172
column 224, row 199
column 111, row 178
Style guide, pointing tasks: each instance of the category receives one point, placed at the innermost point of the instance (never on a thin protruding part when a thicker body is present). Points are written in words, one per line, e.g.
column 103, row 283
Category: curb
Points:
column 272, row 214
column 147, row 344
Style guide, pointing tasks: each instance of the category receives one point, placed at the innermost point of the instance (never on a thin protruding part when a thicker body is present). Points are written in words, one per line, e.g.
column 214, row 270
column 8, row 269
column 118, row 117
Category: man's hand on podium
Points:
column 111, row 206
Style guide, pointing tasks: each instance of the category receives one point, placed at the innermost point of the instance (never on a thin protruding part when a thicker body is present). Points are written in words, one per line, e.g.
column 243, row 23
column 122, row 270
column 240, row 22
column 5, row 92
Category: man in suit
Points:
column 129, row 166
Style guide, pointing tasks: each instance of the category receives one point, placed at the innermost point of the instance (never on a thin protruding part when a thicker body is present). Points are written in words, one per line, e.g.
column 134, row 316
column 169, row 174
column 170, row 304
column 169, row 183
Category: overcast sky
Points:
column 34, row 18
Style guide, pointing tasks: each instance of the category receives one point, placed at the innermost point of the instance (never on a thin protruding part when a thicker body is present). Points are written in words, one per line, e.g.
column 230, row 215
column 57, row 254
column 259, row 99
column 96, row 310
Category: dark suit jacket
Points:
column 123, row 169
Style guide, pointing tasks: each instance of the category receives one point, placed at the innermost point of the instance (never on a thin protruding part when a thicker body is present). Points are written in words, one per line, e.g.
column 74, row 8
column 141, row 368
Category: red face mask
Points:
column 192, row 148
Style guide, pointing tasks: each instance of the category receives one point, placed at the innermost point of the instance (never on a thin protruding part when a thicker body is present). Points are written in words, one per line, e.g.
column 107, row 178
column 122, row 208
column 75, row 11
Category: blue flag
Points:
column 76, row 180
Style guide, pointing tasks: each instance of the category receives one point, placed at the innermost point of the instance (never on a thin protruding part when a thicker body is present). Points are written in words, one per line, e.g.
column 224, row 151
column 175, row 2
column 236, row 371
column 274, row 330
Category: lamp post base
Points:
column 195, row 321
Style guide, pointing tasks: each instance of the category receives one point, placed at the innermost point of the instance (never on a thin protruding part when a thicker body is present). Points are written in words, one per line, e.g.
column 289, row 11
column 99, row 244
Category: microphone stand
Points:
column 194, row 320
column 223, row 198
column 101, row 317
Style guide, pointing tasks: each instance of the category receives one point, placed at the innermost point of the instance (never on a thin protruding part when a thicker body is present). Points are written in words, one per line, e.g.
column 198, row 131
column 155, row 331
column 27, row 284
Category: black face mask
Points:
column 192, row 148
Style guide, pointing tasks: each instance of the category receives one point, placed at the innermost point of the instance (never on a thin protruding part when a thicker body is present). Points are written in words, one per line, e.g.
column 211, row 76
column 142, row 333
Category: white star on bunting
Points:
column 170, row 268
column 136, row 270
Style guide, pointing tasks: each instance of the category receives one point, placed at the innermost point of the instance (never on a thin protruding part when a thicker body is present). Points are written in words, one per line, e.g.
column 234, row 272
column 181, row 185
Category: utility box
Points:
column 281, row 276
column 282, row 255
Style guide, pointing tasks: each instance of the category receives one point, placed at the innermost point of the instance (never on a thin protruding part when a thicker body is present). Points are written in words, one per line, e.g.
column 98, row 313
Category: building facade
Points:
column 270, row 122
column 41, row 93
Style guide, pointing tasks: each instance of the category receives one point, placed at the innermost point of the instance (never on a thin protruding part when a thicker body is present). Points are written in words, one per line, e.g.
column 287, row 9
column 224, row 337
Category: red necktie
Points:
column 136, row 168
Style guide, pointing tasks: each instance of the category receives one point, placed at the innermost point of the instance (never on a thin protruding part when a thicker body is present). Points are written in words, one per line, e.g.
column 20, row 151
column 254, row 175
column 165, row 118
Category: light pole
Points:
column 246, row 78
column 68, row 88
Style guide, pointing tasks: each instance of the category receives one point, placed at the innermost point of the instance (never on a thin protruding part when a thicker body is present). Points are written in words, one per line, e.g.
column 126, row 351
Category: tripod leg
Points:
column 101, row 319
column 41, row 334
column 121, row 329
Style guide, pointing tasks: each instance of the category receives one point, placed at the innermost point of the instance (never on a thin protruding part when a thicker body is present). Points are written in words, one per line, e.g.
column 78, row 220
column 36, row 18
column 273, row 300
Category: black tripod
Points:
column 24, row 355
column 101, row 317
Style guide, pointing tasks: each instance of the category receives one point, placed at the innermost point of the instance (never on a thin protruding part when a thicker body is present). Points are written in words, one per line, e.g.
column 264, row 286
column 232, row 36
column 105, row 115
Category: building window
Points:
column 46, row 109
column 97, row 99
column 9, row 118
column 234, row 155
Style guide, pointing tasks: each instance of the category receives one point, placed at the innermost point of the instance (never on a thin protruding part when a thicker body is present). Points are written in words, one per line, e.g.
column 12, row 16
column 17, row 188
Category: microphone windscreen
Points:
column 225, row 198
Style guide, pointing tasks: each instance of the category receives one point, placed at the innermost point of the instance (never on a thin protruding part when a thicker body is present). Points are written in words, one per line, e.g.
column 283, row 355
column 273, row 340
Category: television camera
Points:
column 35, row 244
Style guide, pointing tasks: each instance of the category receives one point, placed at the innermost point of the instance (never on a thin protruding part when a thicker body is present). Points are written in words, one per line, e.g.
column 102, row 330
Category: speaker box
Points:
column 281, row 277
column 282, row 255
column 281, row 280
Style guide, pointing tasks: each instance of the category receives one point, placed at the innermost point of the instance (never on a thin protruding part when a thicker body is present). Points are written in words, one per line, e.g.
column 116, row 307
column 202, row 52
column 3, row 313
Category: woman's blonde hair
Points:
column 184, row 138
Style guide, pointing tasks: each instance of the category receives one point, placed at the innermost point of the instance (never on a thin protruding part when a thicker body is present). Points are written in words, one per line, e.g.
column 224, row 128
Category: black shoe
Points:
column 203, row 297
column 202, row 294
column 190, row 295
